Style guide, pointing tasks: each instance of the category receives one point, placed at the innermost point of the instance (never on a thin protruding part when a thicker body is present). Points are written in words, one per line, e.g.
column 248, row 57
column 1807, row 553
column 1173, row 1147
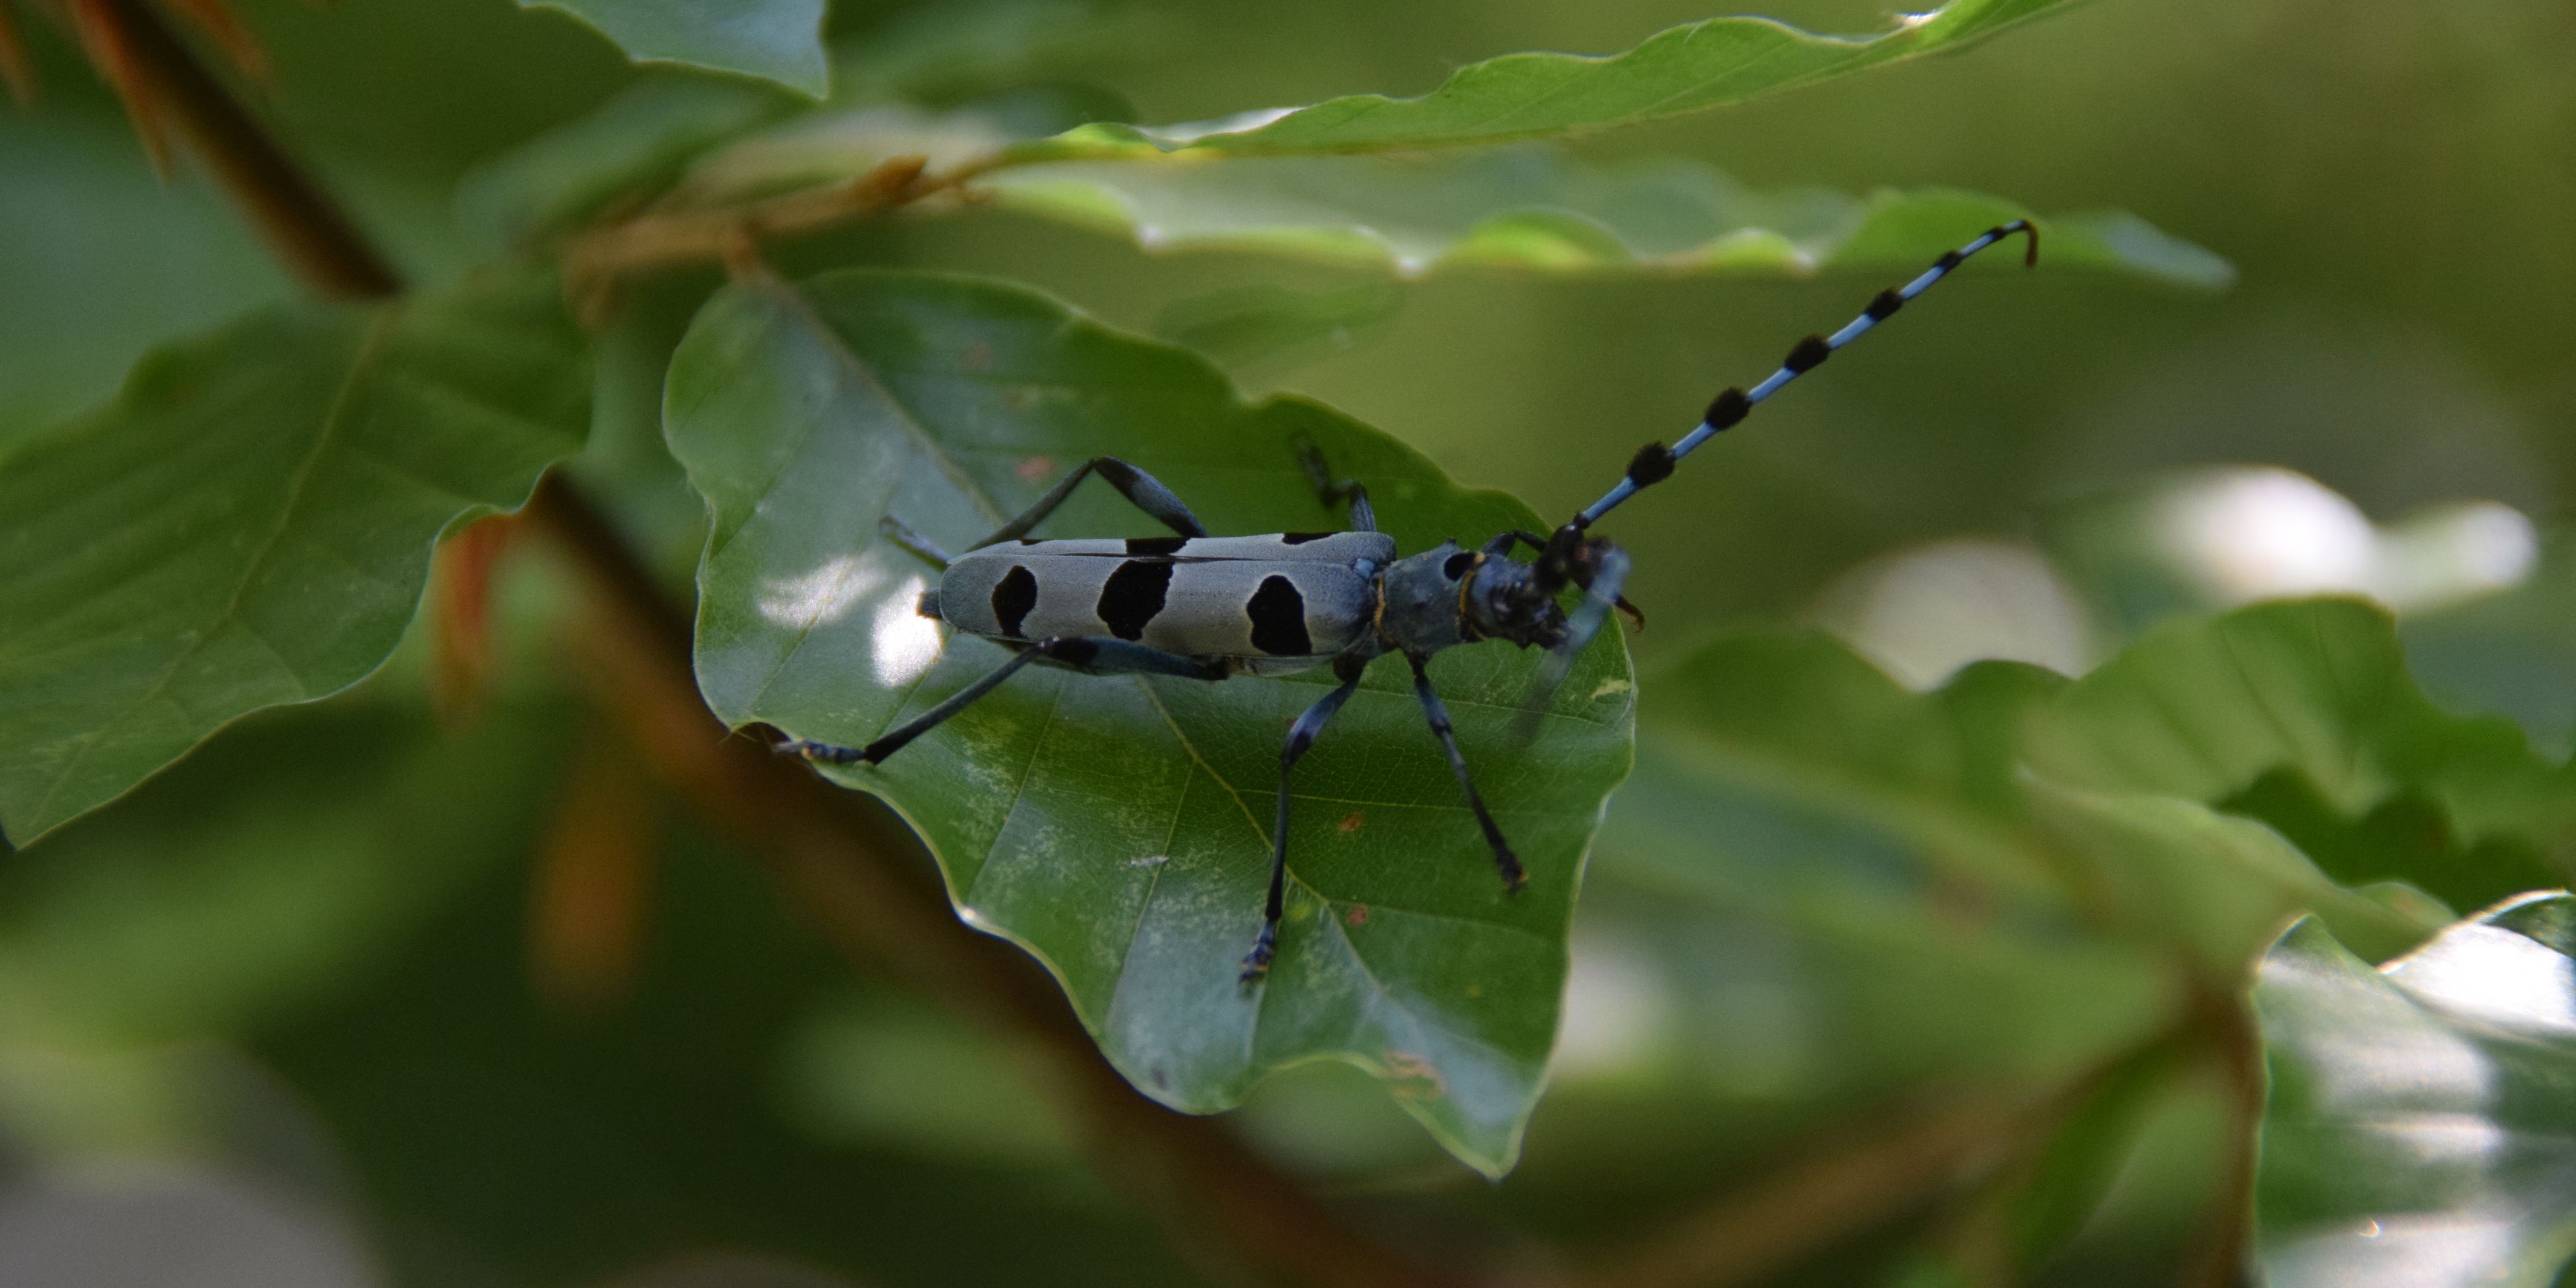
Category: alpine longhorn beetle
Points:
column 1208, row 608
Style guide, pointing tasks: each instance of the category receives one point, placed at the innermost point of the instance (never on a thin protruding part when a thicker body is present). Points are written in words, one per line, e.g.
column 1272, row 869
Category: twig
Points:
column 303, row 226
column 596, row 258
column 847, row 863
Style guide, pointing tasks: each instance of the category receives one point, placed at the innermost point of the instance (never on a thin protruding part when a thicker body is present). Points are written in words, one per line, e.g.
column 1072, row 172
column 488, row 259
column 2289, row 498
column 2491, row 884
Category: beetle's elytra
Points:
column 1207, row 608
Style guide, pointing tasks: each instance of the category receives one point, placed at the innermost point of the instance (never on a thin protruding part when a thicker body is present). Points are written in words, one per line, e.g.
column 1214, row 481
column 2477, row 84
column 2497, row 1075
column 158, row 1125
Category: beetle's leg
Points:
column 921, row 547
column 1098, row 656
column 1301, row 735
column 1331, row 493
column 1505, row 861
column 1141, row 489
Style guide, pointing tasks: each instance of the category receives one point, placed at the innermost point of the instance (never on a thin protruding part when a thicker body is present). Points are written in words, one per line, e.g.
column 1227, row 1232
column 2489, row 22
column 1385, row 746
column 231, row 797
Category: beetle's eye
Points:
column 1458, row 565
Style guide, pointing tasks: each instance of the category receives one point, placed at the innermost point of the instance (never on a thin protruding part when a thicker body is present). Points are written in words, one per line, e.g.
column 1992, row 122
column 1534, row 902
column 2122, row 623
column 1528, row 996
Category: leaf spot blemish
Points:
column 979, row 356
column 1609, row 687
column 1150, row 861
column 1032, row 468
column 1413, row 1078
column 1351, row 821
column 1358, row 915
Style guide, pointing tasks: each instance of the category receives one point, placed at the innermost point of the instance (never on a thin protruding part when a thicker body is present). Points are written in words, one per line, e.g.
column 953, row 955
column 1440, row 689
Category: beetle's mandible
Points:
column 1207, row 608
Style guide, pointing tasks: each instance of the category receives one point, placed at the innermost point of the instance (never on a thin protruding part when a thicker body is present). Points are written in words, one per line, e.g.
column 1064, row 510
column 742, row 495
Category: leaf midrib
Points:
column 378, row 329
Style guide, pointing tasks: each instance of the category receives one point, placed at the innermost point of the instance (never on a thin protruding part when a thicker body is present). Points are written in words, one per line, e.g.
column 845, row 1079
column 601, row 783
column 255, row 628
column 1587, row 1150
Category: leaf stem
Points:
column 851, row 866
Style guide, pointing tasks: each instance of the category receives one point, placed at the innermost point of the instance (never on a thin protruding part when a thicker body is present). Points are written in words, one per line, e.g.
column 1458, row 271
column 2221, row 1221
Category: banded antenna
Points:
column 1603, row 567
column 1654, row 462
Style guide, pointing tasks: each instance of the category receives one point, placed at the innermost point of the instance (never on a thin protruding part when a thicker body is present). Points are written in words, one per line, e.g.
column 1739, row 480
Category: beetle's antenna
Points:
column 1654, row 462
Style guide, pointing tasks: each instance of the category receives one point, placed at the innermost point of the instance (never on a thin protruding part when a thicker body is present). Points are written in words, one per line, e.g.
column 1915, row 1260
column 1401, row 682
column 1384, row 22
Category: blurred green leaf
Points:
column 2302, row 713
column 101, row 263
column 1117, row 827
column 944, row 54
column 1248, row 325
column 1533, row 208
column 269, row 874
column 623, row 151
column 1788, row 792
column 1682, row 69
column 2215, row 886
column 2418, row 1126
column 775, row 40
column 249, row 523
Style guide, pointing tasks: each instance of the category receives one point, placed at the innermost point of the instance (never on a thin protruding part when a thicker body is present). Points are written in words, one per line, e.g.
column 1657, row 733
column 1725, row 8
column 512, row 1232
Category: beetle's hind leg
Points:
column 1084, row 653
column 1301, row 735
column 1506, row 862
column 1333, row 492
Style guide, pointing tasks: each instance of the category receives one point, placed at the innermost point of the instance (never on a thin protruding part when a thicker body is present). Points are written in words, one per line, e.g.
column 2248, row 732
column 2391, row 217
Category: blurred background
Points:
column 296, row 1047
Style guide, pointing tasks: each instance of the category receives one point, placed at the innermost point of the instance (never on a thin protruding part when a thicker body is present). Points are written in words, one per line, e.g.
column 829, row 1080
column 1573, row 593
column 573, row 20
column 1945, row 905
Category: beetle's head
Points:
column 1521, row 601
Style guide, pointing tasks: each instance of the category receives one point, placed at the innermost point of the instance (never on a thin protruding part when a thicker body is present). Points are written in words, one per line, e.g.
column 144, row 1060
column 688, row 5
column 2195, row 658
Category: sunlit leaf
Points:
column 2418, row 1131
column 2303, row 714
column 775, row 40
column 1119, row 827
column 1683, row 69
column 250, row 521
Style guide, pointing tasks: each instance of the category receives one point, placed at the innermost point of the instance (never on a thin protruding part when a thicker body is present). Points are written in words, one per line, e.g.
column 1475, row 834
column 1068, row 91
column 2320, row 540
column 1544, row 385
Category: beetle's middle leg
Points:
column 919, row 546
column 1301, row 735
column 1084, row 653
column 1508, row 863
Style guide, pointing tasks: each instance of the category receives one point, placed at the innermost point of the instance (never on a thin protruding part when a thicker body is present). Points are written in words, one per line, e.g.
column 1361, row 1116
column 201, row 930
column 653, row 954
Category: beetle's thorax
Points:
column 1447, row 595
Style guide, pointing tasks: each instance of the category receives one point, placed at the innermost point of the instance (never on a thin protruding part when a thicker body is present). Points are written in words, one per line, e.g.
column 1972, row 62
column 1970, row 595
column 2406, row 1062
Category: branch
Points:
column 854, row 869
column 306, row 230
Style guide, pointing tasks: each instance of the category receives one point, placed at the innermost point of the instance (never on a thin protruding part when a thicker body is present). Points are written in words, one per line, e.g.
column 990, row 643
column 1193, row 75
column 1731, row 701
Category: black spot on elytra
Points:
column 1155, row 545
column 1456, row 565
column 1013, row 596
column 1132, row 597
column 1279, row 619
column 1301, row 538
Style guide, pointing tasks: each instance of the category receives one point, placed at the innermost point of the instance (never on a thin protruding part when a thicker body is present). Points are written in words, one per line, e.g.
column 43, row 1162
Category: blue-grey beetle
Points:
column 1207, row 608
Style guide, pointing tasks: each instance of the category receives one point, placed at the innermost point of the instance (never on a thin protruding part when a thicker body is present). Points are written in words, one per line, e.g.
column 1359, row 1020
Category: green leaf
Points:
column 2302, row 714
column 249, row 523
column 1683, row 69
column 775, row 40
column 2418, row 1132
column 1118, row 828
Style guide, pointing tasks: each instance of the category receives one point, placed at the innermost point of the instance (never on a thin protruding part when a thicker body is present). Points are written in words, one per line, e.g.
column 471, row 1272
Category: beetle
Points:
column 1205, row 607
